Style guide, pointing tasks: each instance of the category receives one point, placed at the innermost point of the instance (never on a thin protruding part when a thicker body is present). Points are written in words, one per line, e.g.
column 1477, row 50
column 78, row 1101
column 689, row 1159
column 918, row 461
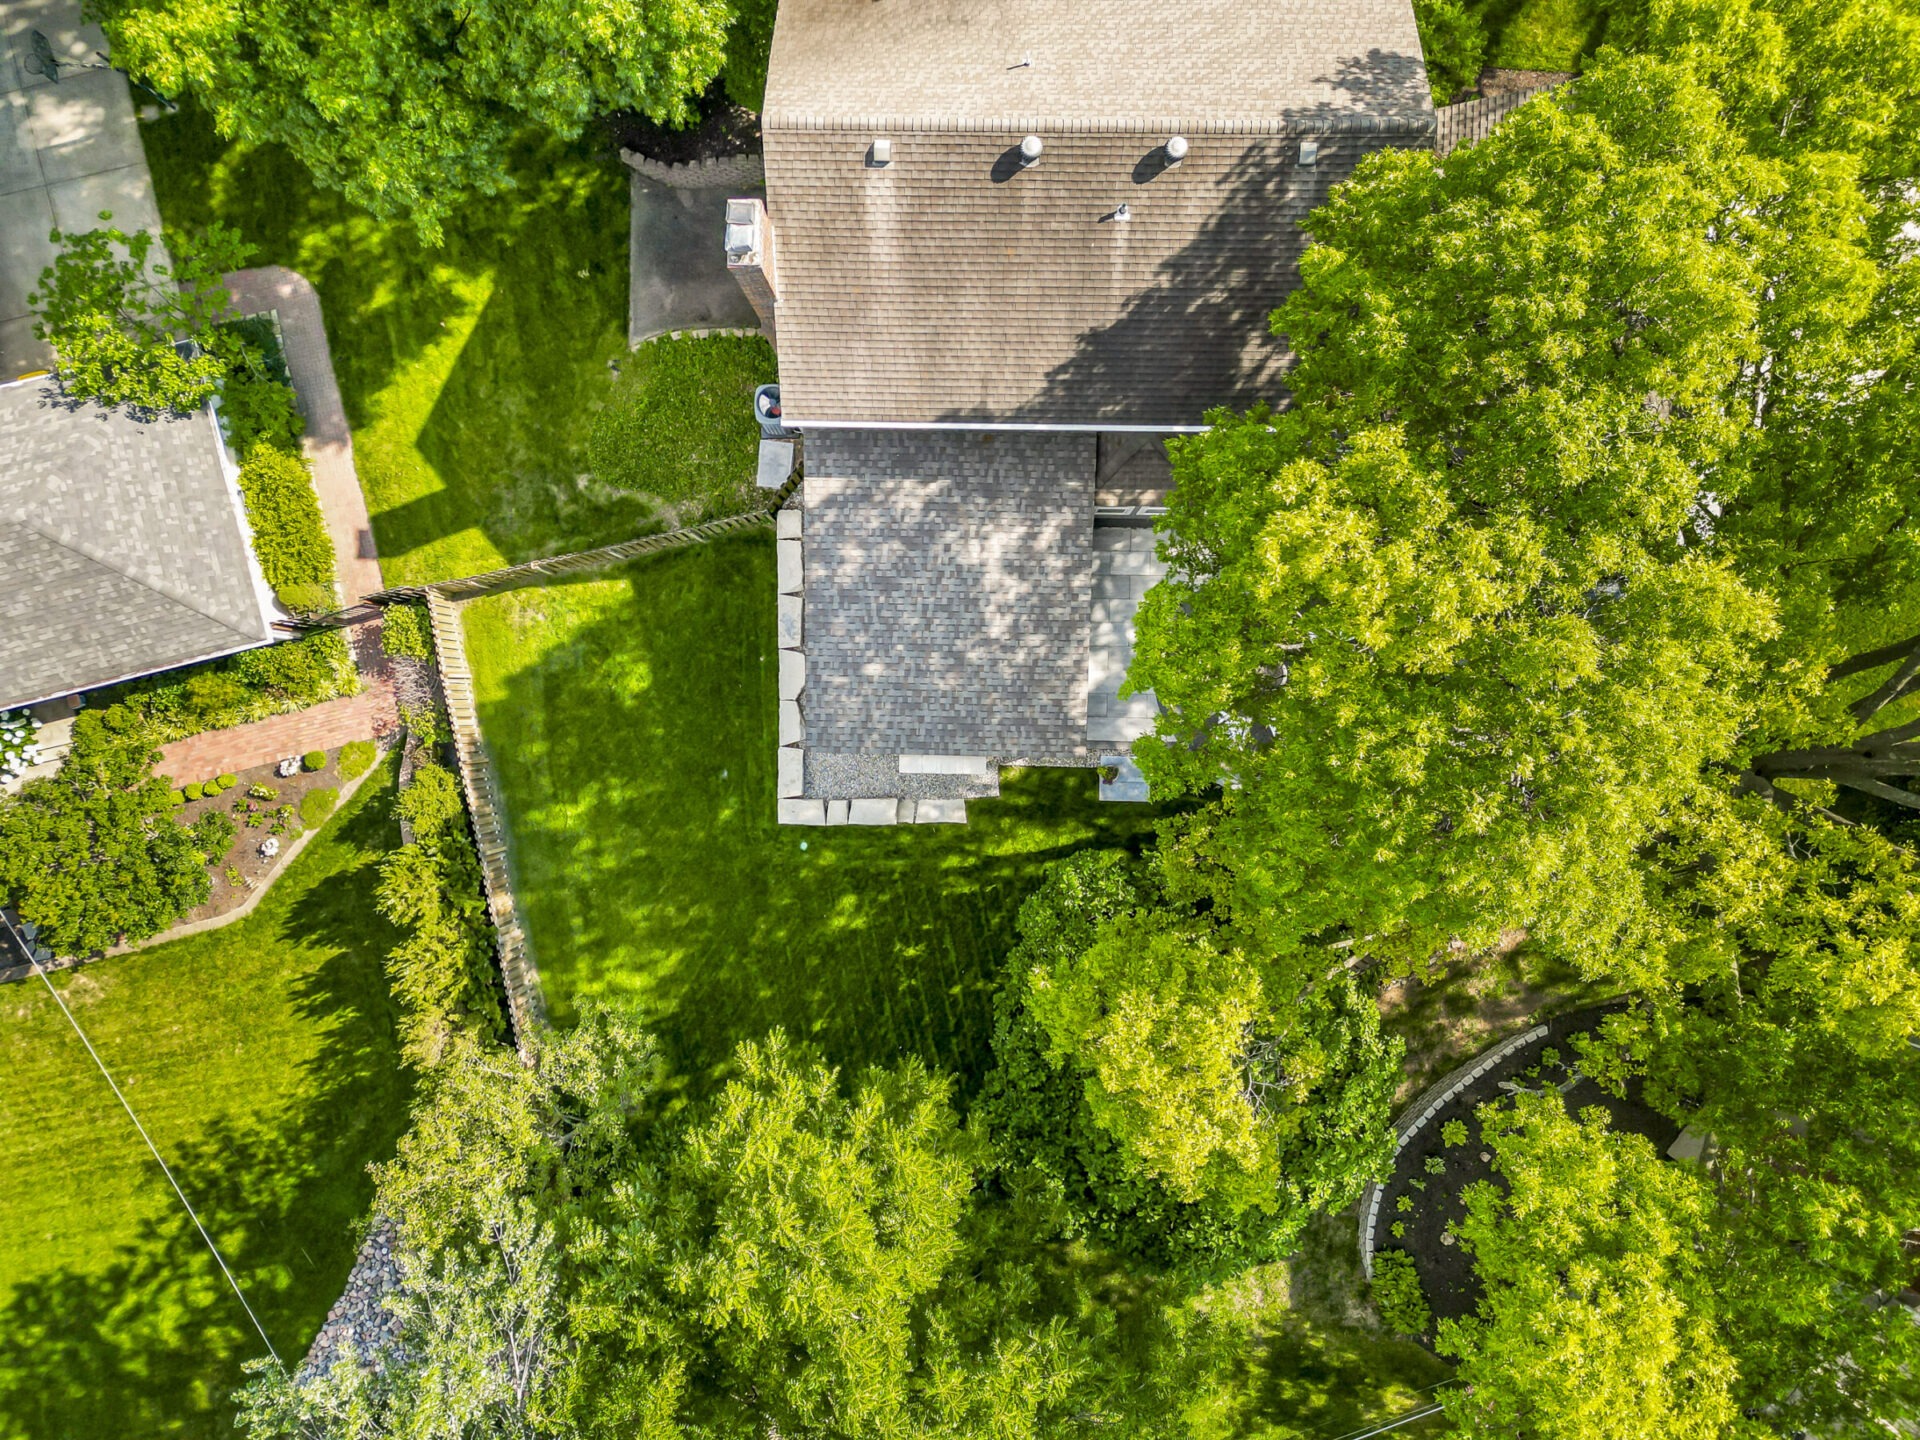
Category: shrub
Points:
column 316, row 805
column 405, row 631
column 1454, row 1132
column 307, row 599
column 314, row 760
column 431, row 804
column 249, row 686
column 263, row 792
column 356, row 758
column 177, row 797
column 227, row 782
column 211, row 788
column 1397, row 1294
column 680, row 424
column 1436, row 1165
column 289, row 536
column 1455, row 44
column 192, row 791
column 256, row 397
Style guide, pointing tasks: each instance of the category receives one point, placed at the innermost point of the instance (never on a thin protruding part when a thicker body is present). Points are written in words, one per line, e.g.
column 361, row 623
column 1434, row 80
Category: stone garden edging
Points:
column 1429, row 1103
column 736, row 172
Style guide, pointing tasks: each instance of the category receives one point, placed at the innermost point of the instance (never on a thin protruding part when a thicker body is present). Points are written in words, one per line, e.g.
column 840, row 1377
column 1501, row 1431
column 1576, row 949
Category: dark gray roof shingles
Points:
column 949, row 581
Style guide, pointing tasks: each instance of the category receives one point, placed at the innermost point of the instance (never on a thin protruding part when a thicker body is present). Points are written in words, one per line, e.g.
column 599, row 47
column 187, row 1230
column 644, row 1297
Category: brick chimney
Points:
column 750, row 259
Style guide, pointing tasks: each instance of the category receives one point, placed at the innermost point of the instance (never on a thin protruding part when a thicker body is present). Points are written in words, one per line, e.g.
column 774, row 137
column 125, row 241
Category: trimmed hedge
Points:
column 356, row 758
column 680, row 425
column 289, row 535
column 405, row 630
column 314, row 760
column 252, row 685
column 192, row 791
column 317, row 805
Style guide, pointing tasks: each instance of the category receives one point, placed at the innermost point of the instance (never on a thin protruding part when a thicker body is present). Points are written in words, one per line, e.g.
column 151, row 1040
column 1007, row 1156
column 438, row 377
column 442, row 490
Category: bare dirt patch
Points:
column 256, row 817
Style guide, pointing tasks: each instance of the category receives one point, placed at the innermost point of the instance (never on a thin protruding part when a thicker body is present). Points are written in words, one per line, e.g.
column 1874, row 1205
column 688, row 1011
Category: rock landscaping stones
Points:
column 359, row 1318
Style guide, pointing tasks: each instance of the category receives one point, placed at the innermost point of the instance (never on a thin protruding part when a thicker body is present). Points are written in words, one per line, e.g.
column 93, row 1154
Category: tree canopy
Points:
column 92, row 854
column 410, row 109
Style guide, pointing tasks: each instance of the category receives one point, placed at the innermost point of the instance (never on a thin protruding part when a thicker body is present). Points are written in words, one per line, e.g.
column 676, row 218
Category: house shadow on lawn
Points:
column 152, row 1341
column 633, row 724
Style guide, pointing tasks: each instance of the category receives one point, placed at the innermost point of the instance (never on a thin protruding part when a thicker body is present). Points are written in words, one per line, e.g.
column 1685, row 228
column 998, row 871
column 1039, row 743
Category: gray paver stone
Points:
column 790, row 568
column 793, row 674
column 792, row 771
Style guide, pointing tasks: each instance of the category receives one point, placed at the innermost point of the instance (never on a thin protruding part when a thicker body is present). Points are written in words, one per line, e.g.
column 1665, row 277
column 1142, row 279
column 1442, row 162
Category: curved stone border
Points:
column 512, row 577
column 1431, row 1102
column 736, row 172
column 525, row 1006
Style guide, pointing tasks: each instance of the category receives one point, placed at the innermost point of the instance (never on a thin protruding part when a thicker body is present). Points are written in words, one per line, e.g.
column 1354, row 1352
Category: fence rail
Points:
column 525, row 1005
column 512, row 577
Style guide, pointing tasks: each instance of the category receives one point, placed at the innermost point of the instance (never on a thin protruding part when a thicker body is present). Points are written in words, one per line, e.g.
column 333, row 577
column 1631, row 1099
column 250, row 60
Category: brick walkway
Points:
column 329, row 443
column 319, row 727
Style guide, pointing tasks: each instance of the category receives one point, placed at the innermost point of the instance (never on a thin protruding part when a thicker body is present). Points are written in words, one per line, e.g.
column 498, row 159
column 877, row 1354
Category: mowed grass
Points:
column 632, row 718
column 633, row 722
column 471, row 372
column 262, row 1059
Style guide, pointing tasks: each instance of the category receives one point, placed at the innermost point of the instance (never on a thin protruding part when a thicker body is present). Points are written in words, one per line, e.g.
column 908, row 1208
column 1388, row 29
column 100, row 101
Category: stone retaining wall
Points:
column 525, row 1006
column 735, row 172
column 1431, row 1102
column 512, row 577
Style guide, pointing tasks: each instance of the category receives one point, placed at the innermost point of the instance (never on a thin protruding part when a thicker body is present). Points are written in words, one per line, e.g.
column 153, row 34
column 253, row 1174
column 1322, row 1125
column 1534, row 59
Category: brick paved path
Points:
column 319, row 727
column 329, row 443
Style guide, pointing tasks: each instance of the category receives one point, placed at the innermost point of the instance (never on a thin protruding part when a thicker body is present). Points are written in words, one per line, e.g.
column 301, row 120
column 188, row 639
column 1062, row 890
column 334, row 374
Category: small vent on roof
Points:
column 1030, row 149
column 1176, row 149
column 880, row 153
column 1309, row 152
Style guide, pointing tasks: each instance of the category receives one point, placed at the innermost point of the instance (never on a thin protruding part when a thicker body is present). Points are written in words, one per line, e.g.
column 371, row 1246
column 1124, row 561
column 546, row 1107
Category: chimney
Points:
column 750, row 259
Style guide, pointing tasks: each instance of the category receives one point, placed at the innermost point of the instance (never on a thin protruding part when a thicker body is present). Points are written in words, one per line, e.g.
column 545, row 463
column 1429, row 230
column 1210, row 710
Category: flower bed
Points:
column 1445, row 1155
column 252, row 685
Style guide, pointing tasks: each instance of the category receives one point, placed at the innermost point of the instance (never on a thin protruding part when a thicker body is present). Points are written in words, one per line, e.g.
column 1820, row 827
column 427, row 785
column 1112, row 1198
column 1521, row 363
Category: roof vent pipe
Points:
column 1030, row 149
column 1176, row 149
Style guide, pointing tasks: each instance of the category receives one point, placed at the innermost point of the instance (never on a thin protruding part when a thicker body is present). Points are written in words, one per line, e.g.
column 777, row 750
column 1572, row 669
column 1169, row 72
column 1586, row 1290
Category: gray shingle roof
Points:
column 952, row 286
column 949, row 584
column 121, row 546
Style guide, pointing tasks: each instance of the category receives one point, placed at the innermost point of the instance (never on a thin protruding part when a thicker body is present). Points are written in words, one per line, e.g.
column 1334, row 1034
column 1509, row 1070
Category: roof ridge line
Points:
column 27, row 522
column 1335, row 123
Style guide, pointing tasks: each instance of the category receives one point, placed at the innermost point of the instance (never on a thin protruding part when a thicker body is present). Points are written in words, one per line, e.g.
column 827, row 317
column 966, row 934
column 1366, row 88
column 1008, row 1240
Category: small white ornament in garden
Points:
column 19, row 748
column 287, row 767
column 269, row 847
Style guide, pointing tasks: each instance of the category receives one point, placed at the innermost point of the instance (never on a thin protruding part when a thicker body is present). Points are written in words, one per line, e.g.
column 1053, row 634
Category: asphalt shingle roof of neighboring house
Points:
column 122, row 548
column 949, row 588
column 952, row 286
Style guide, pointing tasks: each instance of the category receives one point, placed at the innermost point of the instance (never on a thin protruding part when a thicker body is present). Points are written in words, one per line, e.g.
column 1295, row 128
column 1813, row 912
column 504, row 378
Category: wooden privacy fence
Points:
column 512, row 577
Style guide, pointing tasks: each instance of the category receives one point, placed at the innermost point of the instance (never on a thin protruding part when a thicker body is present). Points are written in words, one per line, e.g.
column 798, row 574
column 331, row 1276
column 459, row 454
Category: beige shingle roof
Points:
column 953, row 286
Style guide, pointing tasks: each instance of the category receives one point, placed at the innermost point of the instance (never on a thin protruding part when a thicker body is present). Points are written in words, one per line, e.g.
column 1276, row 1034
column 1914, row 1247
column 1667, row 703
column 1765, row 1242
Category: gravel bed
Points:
column 358, row 1316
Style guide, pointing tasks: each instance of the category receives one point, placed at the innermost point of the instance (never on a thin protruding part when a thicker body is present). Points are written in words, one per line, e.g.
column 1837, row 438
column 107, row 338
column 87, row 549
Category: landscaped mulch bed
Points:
column 242, row 870
column 1446, row 1270
column 721, row 129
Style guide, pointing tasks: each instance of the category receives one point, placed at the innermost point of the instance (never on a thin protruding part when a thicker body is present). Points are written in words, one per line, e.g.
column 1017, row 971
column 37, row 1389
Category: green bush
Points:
column 264, row 792
column 1455, row 45
column 256, row 396
column 289, row 535
column 314, row 760
column 356, row 758
column 1454, row 1132
column 1397, row 1294
column 249, row 686
column 680, row 424
column 227, row 782
column 316, row 805
column 178, row 797
column 192, row 791
column 211, row 788
column 307, row 599
column 406, row 631
column 749, row 40
column 431, row 803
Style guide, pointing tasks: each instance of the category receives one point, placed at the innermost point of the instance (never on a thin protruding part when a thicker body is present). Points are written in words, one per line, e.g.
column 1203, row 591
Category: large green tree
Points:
column 92, row 855
column 410, row 108
column 1596, row 1322
column 1499, row 588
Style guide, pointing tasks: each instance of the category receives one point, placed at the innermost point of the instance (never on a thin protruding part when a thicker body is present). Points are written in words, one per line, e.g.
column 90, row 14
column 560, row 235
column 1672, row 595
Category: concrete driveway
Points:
column 67, row 151
column 678, row 263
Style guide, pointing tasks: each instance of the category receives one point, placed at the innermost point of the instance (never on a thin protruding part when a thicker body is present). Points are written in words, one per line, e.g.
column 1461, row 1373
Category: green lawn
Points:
column 263, row 1061
column 632, row 719
column 470, row 373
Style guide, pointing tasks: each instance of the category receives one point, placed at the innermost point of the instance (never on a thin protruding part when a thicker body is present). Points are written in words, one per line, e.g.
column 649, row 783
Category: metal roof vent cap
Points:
column 880, row 153
column 1176, row 149
column 1030, row 149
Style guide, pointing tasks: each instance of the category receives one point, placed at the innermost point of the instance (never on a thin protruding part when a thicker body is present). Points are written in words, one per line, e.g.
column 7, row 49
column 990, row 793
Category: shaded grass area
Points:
column 632, row 721
column 262, row 1059
column 1541, row 34
column 471, row 372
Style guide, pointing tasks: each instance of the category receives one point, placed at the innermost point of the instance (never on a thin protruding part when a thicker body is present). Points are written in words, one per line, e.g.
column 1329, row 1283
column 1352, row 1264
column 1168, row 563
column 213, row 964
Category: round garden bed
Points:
column 1423, row 1195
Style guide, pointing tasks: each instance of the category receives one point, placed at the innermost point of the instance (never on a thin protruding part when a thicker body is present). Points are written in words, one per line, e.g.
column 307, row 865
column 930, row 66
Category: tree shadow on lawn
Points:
column 633, row 724
column 151, row 1342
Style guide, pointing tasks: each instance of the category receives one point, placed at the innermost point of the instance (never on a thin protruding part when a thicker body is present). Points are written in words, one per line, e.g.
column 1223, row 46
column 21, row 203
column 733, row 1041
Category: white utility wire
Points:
column 107, row 1075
